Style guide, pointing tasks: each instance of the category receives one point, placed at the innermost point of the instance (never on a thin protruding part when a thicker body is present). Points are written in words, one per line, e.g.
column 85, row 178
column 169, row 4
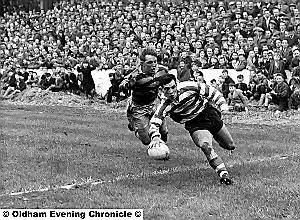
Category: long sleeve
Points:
column 158, row 117
column 282, row 90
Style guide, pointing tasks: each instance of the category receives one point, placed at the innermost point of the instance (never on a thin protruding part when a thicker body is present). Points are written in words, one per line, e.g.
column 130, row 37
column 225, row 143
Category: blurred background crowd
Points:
column 188, row 36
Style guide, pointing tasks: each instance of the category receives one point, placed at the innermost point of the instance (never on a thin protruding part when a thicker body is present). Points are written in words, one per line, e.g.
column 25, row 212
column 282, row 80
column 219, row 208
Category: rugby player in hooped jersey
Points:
column 192, row 104
column 143, row 101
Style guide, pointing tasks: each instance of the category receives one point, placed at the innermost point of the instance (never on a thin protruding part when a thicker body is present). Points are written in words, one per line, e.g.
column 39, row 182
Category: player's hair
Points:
column 147, row 51
column 164, row 77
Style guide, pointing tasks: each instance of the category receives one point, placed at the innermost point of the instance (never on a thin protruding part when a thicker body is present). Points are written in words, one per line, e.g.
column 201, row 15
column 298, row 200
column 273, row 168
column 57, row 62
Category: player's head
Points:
column 148, row 59
column 279, row 78
column 167, row 83
column 170, row 89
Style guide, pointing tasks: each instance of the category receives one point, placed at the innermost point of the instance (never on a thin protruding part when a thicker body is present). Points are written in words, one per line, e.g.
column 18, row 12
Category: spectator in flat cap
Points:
column 264, row 21
column 237, row 101
column 279, row 95
column 293, row 38
column 258, row 31
column 277, row 65
column 226, row 81
column 295, row 61
column 273, row 25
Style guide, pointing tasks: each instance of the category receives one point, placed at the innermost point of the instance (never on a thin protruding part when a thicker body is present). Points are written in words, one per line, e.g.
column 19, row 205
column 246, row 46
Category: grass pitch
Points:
column 60, row 157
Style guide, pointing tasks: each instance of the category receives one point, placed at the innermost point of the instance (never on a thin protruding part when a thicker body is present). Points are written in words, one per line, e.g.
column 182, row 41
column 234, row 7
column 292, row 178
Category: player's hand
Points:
column 155, row 142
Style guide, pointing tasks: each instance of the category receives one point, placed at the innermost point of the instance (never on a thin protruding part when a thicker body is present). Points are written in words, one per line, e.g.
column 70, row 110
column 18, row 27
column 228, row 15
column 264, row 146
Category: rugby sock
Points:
column 220, row 168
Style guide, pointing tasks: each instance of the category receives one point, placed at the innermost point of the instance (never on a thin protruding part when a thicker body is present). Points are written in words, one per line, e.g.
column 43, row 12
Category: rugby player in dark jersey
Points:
column 143, row 100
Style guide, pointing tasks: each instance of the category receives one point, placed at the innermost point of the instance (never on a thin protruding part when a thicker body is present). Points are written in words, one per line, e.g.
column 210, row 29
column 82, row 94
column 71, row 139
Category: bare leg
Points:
column 203, row 140
column 223, row 137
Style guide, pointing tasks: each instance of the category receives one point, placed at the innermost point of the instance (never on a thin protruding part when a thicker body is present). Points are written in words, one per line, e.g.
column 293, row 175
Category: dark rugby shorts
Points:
column 209, row 119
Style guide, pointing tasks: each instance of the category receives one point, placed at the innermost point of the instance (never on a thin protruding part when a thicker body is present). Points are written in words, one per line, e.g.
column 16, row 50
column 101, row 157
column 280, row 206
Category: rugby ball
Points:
column 159, row 151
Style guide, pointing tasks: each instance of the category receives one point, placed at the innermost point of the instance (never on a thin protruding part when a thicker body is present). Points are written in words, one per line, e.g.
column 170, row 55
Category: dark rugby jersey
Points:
column 193, row 97
column 144, row 87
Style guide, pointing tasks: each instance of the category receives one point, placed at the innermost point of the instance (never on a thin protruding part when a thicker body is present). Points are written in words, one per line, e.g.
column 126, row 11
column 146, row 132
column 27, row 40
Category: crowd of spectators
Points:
column 261, row 36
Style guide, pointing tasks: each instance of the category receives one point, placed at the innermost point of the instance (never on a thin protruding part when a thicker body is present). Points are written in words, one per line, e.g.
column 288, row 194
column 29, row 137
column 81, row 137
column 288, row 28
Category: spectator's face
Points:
column 296, row 53
column 184, row 54
column 267, row 13
column 251, row 53
column 208, row 15
column 285, row 43
column 209, row 52
column 241, row 57
column 198, row 45
column 234, row 56
column 201, row 30
column 181, row 64
column 231, row 89
column 275, row 12
column 282, row 26
column 214, row 60
column 144, row 22
column 278, row 43
column 175, row 49
column 36, row 51
column 236, row 47
column 145, row 44
column 279, row 79
column 222, row 60
column 202, row 54
column 250, row 19
column 194, row 67
column 250, row 41
column 265, row 47
column 268, row 34
column 224, row 74
column 265, row 54
column 255, row 49
column 276, row 57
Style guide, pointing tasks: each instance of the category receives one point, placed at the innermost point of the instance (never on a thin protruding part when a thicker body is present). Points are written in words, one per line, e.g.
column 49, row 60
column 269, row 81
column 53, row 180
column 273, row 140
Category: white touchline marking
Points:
column 90, row 182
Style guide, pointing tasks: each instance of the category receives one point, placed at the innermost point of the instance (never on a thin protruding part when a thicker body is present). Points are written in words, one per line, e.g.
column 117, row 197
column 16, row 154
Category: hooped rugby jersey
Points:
column 192, row 99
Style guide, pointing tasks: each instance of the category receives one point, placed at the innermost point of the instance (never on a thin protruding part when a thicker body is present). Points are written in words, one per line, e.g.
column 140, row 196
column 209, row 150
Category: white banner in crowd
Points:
column 102, row 81
column 210, row 74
